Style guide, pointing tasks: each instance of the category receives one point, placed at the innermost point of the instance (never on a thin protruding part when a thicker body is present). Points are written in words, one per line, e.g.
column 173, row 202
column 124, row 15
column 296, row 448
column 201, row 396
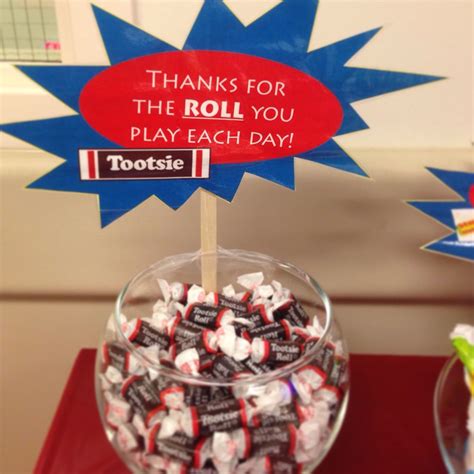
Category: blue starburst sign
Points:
column 457, row 215
column 236, row 99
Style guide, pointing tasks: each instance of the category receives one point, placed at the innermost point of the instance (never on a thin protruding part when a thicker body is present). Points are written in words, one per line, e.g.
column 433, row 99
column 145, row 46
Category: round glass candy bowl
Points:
column 451, row 402
column 241, row 382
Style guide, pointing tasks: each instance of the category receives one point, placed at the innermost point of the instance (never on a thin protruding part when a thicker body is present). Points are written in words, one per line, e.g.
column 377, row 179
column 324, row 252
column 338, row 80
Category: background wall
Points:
column 60, row 271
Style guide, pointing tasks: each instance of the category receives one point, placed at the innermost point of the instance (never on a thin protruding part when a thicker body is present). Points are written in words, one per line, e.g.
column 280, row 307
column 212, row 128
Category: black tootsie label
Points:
column 276, row 449
column 116, row 355
column 241, row 329
column 225, row 367
column 159, row 163
column 293, row 312
column 258, row 316
column 183, row 329
column 337, row 373
column 160, row 383
column 216, row 392
column 222, row 415
column 145, row 335
column 238, row 307
column 274, row 331
column 196, row 395
column 220, row 393
column 140, row 393
column 282, row 465
column 200, row 343
column 255, row 368
column 288, row 414
column 194, row 342
column 174, row 451
column 205, row 314
column 273, row 440
column 180, row 439
column 324, row 358
column 283, row 351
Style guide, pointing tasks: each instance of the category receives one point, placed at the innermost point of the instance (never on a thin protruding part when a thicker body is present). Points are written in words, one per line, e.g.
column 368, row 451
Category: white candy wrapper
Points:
column 196, row 294
column 175, row 468
column 280, row 294
column 118, row 411
column 277, row 286
column 315, row 329
column 225, row 468
column 178, row 291
column 169, row 426
column 309, row 434
column 226, row 339
column 211, row 298
column 165, row 289
column 327, row 395
column 127, row 437
column 243, row 321
column 250, row 281
column 113, row 375
column 263, row 291
column 321, row 413
column 188, row 362
column 159, row 320
column 174, row 398
column 231, row 345
column 223, row 447
column 312, row 376
column 303, row 389
column 303, row 456
column 139, row 424
column 111, row 328
column 339, row 349
column 228, row 291
column 151, row 352
column 157, row 462
column 128, row 327
column 160, row 305
column 242, row 349
column 104, row 383
column 175, row 308
column 276, row 394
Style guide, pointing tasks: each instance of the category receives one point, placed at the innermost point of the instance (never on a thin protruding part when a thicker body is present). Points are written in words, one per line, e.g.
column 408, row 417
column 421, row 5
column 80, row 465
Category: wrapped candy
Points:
column 225, row 422
column 143, row 333
column 208, row 315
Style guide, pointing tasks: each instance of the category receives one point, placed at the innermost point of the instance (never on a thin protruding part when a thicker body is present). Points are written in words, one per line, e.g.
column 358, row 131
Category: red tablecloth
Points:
column 388, row 428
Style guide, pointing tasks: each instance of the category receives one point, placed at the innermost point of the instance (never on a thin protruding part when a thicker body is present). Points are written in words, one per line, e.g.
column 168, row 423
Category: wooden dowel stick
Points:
column 208, row 241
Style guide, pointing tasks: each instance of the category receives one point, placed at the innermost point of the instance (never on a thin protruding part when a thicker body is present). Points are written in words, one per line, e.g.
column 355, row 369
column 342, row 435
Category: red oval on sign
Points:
column 244, row 108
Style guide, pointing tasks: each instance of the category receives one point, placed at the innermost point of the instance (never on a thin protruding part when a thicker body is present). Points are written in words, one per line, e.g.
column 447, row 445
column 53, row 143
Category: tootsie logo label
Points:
column 144, row 164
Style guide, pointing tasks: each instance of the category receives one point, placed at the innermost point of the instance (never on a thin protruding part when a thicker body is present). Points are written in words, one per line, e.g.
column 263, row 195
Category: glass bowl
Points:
column 451, row 403
column 160, row 419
